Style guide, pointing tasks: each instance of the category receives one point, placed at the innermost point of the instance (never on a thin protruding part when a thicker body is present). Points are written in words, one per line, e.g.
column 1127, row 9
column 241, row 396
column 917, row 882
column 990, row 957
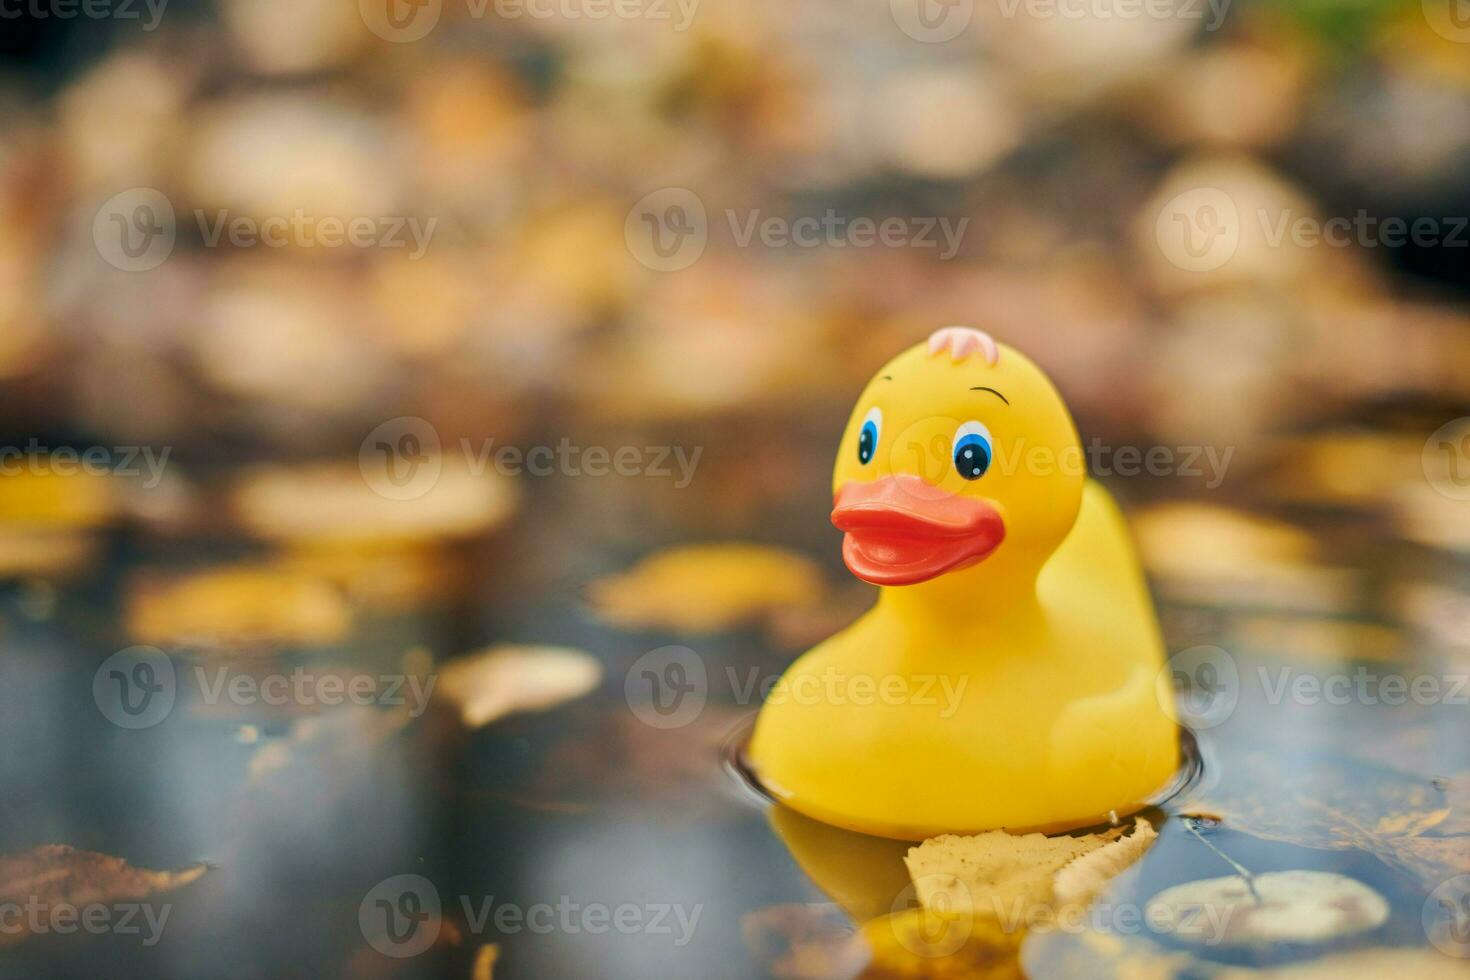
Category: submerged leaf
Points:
column 708, row 587
column 58, row 875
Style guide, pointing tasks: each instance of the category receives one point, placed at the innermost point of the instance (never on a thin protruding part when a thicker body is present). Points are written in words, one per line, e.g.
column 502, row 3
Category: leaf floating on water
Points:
column 336, row 503
column 503, row 680
column 238, row 605
column 803, row 941
column 1079, row 882
column 59, row 875
column 39, row 496
column 43, row 553
column 995, row 873
column 1305, row 907
column 709, row 587
column 1381, row 811
column 1215, row 554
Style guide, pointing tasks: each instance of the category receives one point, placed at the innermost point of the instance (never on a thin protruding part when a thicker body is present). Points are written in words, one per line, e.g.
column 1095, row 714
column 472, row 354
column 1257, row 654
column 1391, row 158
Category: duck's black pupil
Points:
column 972, row 462
column 865, row 444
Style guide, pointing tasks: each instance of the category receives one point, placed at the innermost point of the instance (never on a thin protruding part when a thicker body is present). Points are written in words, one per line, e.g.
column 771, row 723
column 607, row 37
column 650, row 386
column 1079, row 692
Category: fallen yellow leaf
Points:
column 702, row 588
column 336, row 503
column 995, row 874
column 238, row 604
column 1080, row 881
column 503, row 680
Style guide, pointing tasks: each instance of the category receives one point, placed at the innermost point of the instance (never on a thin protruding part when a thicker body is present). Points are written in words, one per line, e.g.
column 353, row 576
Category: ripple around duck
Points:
column 1189, row 776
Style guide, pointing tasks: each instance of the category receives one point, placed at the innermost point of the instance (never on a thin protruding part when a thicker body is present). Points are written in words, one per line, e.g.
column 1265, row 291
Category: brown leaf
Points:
column 57, row 874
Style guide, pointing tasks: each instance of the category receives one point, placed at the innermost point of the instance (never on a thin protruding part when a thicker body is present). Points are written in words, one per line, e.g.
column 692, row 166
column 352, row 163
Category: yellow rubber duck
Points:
column 1009, row 675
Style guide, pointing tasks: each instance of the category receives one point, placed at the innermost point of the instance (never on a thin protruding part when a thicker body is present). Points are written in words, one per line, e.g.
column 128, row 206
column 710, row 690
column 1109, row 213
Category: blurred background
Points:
column 501, row 343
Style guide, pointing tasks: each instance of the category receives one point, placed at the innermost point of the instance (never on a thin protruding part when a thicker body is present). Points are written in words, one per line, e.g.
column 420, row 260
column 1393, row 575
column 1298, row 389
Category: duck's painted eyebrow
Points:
column 993, row 392
column 885, row 377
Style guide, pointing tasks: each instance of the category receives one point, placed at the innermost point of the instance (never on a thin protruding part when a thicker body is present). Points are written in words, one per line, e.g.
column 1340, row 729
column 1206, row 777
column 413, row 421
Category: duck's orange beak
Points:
column 902, row 529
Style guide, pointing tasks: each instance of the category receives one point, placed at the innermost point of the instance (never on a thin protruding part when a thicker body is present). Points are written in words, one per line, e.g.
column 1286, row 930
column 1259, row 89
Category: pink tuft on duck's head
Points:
column 961, row 342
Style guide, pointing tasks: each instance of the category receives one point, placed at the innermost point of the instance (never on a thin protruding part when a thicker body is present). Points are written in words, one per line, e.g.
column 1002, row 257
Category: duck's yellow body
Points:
column 1010, row 674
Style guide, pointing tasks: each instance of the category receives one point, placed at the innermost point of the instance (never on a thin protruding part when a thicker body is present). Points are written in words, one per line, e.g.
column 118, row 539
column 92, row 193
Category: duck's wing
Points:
column 1097, row 560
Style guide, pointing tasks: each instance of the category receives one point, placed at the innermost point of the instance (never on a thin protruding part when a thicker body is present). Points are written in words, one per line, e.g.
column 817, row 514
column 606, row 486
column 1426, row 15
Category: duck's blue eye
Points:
column 972, row 452
column 868, row 436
